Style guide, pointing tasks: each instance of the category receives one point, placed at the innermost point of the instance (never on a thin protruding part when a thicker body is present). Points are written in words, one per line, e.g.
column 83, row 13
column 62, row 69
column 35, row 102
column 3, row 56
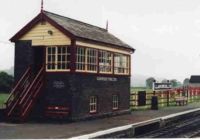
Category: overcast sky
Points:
column 165, row 33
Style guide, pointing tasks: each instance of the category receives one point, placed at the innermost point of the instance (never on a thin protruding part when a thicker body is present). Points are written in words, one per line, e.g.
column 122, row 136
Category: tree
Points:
column 164, row 81
column 6, row 82
column 174, row 82
column 186, row 81
column 149, row 82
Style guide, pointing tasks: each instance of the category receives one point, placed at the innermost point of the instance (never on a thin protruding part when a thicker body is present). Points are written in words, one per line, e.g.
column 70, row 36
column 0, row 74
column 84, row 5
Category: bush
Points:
column 6, row 82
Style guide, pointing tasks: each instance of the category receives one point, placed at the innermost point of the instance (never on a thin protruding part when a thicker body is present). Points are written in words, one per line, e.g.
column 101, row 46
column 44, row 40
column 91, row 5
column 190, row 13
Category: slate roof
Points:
column 84, row 30
column 195, row 79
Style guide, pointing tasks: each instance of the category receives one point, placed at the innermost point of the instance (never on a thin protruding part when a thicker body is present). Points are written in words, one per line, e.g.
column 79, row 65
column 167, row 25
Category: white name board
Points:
column 58, row 84
column 106, row 79
column 160, row 86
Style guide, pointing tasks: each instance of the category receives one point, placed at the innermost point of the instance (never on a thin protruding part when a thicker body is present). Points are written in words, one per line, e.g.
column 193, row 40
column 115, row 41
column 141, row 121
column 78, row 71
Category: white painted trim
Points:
column 90, row 45
column 180, row 113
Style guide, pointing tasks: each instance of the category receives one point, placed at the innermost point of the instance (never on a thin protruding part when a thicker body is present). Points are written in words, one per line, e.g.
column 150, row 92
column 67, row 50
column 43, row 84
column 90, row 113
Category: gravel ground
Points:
column 67, row 130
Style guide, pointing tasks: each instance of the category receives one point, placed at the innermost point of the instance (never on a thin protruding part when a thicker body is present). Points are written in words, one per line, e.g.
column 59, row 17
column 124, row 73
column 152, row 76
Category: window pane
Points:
column 64, row 50
column 53, row 50
column 64, row 58
column 57, row 58
column 93, row 104
column 121, row 65
column 59, row 66
column 115, row 102
column 80, row 58
column 49, row 51
column 91, row 59
column 52, row 66
column 59, row 50
column 105, row 62
column 53, row 58
column 49, row 58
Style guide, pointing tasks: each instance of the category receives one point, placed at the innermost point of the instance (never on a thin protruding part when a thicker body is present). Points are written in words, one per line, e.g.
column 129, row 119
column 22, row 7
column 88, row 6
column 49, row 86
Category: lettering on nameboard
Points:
column 106, row 79
column 58, row 84
column 160, row 86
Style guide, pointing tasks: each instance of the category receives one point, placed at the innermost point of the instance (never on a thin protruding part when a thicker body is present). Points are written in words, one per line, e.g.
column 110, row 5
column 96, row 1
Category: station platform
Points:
column 74, row 129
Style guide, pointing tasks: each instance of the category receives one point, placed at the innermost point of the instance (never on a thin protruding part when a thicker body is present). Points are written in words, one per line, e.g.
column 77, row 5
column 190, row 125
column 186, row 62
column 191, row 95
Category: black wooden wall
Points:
column 23, row 58
column 74, row 90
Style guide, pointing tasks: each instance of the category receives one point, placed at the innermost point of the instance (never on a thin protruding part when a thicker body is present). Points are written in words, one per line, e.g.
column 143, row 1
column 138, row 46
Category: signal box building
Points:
column 68, row 69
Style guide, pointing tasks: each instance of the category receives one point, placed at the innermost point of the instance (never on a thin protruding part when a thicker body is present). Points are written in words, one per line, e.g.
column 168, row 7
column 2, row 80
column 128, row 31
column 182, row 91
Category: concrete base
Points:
column 129, row 131
column 2, row 115
column 105, row 115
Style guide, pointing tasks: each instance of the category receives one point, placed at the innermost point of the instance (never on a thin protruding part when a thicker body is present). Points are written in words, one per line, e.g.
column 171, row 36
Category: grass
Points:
column 136, row 89
column 3, row 98
column 148, row 102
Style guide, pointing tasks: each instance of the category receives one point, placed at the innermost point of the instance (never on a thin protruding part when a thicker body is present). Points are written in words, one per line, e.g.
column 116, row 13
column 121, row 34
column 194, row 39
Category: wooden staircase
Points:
column 24, row 95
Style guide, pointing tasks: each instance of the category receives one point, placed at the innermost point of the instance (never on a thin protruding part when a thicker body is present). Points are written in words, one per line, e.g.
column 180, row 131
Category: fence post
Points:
column 168, row 98
column 192, row 95
column 136, row 98
column 196, row 94
column 154, row 101
column 162, row 96
column 187, row 94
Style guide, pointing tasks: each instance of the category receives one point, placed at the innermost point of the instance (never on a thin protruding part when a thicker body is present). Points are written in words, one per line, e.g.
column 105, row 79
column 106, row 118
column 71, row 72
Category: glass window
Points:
column 121, row 64
column 93, row 104
column 57, row 58
column 80, row 59
column 86, row 59
column 105, row 62
column 92, row 59
column 115, row 101
column 51, row 58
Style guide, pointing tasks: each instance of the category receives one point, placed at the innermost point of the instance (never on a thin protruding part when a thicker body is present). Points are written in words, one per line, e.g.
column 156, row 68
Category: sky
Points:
column 165, row 33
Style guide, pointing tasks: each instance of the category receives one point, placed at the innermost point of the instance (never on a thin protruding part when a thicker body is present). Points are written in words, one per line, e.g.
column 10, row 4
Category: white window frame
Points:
column 80, row 59
column 55, row 69
column 87, row 61
column 121, row 64
column 93, row 104
column 115, row 102
column 107, row 64
column 91, row 59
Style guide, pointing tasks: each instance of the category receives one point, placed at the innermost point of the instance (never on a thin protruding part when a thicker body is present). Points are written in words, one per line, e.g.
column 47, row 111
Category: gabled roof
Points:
column 75, row 29
column 195, row 79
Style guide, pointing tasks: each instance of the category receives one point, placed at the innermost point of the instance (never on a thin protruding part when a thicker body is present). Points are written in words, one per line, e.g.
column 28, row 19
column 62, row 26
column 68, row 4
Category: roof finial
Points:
column 107, row 25
column 42, row 5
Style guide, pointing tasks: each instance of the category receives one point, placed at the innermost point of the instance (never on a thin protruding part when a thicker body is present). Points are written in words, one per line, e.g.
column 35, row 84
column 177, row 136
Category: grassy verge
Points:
column 136, row 89
column 3, row 98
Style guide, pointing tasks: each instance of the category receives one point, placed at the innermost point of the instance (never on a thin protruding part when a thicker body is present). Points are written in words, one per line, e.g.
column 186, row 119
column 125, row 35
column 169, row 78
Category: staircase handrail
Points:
column 31, row 86
column 33, row 91
column 31, row 99
column 28, row 70
column 14, row 102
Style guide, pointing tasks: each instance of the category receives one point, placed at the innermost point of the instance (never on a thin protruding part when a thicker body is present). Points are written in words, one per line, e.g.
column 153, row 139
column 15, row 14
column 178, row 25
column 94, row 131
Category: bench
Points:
column 181, row 101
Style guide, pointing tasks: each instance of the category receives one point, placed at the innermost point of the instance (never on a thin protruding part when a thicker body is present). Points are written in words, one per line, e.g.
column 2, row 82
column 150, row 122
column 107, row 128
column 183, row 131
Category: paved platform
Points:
column 68, row 130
